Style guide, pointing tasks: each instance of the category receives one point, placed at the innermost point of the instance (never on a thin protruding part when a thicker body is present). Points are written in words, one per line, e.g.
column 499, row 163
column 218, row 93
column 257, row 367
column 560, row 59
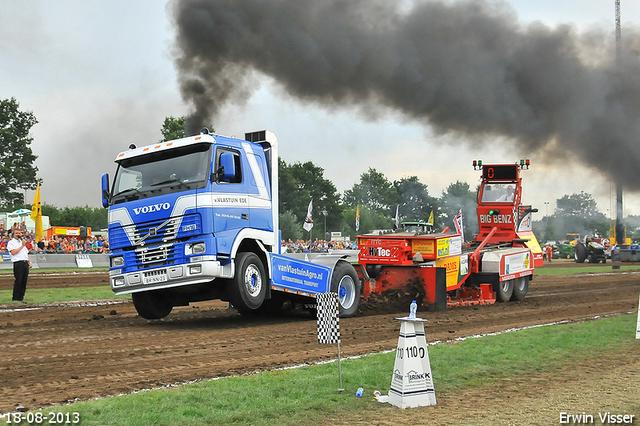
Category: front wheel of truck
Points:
column 152, row 304
column 248, row 289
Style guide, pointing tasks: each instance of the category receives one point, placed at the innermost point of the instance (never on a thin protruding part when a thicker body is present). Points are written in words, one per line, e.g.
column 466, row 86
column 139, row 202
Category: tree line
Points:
column 579, row 214
column 374, row 197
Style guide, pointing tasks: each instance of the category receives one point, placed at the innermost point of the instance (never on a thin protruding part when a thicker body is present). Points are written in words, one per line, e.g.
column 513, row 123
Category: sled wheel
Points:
column 152, row 304
column 344, row 281
column 520, row 288
column 504, row 290
column 248, row 289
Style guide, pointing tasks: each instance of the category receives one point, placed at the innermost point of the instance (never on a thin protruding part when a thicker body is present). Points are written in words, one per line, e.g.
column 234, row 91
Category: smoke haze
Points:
column 466, row 67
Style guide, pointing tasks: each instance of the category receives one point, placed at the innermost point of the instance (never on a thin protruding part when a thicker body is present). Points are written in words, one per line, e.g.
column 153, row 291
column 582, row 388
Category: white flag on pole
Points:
column 308, row 222
column 397, row 224
column 457, row 221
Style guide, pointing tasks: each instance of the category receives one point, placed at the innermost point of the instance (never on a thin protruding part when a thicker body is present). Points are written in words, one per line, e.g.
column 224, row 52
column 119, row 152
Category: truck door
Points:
column 229, row 200
column 258, row 189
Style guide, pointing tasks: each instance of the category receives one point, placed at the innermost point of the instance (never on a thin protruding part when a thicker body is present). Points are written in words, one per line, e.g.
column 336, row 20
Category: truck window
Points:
column 498, row 192
column 236, row 159
column 171, row 170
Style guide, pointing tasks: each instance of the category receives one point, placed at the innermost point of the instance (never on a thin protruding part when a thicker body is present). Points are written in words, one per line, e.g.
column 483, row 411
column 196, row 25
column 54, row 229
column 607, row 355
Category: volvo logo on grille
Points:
column 153, row 232
column 152, row 208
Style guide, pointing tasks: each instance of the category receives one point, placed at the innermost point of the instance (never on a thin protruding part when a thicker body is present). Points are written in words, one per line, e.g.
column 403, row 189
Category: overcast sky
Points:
column 100, row 75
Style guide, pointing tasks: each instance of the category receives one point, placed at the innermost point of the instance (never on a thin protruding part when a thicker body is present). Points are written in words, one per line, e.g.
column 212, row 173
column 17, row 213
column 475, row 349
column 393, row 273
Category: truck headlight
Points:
column 117, row 261
column 196, row 248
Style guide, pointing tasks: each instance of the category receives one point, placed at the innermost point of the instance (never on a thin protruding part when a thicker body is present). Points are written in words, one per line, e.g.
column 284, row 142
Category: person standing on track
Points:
column 21, row 264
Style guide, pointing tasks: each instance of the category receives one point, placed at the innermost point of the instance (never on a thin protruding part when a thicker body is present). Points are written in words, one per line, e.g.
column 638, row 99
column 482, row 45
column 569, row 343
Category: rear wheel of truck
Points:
column 152, row 304
column 504, row 290
column 520, row 288
column 344, row 281
column 581, row 253
column 249, row 287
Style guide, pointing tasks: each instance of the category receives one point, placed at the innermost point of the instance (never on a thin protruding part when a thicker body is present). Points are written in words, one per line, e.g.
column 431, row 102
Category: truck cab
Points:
column 196, row 219
column 500, row 207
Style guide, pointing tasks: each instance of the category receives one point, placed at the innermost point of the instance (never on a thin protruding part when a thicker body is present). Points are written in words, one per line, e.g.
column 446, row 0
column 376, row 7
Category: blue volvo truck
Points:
column 196, row 219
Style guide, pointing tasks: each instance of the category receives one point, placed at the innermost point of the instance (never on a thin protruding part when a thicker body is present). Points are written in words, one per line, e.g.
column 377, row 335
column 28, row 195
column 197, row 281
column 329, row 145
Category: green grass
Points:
column 48, row 295
column 592, row 269
column 308, row 395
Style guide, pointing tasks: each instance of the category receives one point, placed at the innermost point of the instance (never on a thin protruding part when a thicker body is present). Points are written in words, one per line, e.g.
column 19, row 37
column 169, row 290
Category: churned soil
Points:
column 61, row 352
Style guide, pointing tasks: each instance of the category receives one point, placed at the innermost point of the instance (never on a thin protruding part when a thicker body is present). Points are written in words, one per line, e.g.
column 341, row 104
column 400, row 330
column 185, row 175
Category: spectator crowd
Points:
column 55, row 244
column 99, row 244
column 301, row 246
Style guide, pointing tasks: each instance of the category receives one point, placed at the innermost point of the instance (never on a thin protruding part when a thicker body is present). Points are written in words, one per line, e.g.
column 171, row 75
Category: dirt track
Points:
column 54, row 354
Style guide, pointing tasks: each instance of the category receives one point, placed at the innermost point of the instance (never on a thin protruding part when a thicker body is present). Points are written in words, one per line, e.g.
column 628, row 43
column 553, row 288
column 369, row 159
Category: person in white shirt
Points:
column 21, row 264
column 508, row 197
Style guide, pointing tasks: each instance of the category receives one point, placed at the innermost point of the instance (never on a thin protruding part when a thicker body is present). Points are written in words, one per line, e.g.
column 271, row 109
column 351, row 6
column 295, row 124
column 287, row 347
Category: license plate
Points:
column 158, row 278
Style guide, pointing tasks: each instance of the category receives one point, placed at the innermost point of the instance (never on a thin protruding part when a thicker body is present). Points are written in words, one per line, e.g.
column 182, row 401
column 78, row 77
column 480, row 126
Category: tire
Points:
column 373, row 270
column 152, row 304
column 248, row 289
column 345, row 282
column 504, row 290
column 604, row 260
column 593, row 258
column 581, row 253
column 520, row 288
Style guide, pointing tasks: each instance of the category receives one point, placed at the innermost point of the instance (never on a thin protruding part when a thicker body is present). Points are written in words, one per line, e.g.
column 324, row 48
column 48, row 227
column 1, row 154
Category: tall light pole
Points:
column 324, row 213
column 619, row 209
column 546, row 220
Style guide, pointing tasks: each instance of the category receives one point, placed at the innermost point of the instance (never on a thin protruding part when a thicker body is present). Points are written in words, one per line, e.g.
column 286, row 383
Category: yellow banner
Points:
column 452, row 265
column 36, row 213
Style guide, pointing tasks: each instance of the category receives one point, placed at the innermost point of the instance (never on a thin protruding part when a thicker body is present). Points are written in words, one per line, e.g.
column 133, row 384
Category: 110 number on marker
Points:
column 410, row 352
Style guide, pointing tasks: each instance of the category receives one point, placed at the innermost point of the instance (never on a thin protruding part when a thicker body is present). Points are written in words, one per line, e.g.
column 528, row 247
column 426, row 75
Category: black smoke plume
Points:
column 466, row 67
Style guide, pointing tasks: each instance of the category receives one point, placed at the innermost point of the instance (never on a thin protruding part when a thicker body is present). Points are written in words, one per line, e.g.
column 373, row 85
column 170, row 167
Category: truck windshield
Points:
column 498, row 192
column 172, row 170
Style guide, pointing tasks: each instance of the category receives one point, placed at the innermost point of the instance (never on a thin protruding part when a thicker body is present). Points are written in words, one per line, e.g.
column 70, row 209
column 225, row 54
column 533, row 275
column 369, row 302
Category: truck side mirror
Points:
column 105, row 190
column 227, row 169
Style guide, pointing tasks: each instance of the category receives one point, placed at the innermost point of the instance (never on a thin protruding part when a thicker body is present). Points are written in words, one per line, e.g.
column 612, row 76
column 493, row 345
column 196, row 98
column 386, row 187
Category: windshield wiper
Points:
column 126, row 191
column 174, row 180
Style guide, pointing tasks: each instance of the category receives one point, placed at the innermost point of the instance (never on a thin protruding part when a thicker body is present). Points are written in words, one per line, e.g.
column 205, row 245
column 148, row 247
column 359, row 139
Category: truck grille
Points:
column 155, row 232
column 152, row 244
column 148, row 256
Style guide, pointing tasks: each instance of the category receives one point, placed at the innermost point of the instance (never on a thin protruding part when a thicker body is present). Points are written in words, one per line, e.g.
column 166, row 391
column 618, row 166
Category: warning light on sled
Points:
column 494, row 212
column 477, row 164
column 524, row 164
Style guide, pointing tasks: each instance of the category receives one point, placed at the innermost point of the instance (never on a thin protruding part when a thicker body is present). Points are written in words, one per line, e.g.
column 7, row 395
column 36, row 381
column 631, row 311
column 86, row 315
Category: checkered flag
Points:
column 328, row 319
